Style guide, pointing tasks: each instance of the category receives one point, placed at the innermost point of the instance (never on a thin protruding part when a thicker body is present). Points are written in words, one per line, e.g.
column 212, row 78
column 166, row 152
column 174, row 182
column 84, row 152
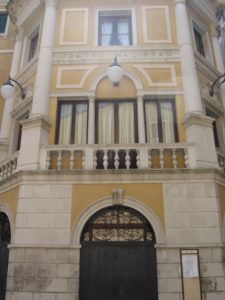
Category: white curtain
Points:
column 167, row 122
column 126, row 123
column 151, row 122
column 106, row 123
column 123, row 33
column 81, row 124
column 106, row 33
column 65, row 123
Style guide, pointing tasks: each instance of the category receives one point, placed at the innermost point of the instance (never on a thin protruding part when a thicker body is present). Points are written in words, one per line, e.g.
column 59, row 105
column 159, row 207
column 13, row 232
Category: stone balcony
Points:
column 109, row 157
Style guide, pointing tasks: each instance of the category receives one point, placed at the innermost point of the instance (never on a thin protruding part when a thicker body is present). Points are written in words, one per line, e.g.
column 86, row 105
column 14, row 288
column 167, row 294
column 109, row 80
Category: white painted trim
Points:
column 171, row 67
column 4, row 35
column 142, row 208
column 168, row 24
column 206, row 42
column 6, row 51
column 133, row 25
column 63, row 23
column 131, row 76
column 59, row 85
column 5, row 209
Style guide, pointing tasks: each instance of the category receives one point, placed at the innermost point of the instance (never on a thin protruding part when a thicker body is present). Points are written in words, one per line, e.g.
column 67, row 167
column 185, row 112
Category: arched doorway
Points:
column 5, row 237
column 118, row 257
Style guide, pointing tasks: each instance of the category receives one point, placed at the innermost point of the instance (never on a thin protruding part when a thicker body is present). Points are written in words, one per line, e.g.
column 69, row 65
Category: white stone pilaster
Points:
column 6, row 119
column 216, row 49
column 141, row 120
column 198, row 127
column 192, row 96
column 40, row 104
column 91, row 120
column 36, row 129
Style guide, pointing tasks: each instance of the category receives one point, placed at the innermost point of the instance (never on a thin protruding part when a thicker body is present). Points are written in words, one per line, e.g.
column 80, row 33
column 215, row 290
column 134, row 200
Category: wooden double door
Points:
column 118, row 271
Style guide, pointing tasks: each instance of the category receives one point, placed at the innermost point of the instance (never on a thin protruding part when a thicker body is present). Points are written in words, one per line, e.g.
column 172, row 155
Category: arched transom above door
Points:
column 118, row 224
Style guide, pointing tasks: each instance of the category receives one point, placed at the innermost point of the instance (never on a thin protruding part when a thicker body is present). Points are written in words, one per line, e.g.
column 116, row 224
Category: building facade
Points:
column 111, row 192
column 222, row 32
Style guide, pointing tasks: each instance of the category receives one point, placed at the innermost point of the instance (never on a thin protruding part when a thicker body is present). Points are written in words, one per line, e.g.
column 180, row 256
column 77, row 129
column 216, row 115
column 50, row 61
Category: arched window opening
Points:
column 118, row 224
column 5, row 237
column 5, row 233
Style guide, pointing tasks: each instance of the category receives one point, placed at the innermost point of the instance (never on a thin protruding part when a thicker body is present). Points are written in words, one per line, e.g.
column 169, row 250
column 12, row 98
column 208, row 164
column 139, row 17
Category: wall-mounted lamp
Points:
column 115, row 72
column 7, row 89
column 211, row 90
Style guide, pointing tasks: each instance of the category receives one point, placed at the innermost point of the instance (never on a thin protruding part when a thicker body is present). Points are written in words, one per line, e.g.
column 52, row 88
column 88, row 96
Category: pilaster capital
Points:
column 214, row 30
column 50, row 3
column 91, row 98
column 18, row 33
column 175, row 2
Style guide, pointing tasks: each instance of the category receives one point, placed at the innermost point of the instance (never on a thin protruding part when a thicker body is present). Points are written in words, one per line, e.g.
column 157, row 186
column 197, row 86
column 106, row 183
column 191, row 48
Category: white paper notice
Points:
column 190, row 265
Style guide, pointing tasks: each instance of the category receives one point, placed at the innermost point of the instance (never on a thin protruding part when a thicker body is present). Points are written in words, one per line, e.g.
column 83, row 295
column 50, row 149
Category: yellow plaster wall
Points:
column 156, row 24
column 10, row 198
column 126, row 89
column 74, row 27
column 52, row 117
column 72, row 77
column 5, row 63
column 221, row 194
column 84, row 195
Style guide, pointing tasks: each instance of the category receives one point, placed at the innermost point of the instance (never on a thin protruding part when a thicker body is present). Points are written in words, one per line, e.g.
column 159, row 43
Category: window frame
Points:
column 33, row 45
column 4, row 12
column 114, row 19
column 199, row 45
column 115, row 11
column 116, row 114
column 200, row 28
column 72, row 133
column 160, row 127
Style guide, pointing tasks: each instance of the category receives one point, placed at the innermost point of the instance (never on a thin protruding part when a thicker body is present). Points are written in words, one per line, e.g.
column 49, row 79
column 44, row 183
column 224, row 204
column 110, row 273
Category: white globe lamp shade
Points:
column 115, row 73
column 7, row 90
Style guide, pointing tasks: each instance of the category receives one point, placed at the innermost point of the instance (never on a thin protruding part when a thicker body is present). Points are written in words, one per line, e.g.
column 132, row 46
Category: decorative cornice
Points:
column 197, row 119
column 62, row 56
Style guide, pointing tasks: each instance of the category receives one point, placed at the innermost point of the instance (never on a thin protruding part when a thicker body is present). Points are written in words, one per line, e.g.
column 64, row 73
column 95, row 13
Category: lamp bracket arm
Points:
column 23, row 94
column 215, row 82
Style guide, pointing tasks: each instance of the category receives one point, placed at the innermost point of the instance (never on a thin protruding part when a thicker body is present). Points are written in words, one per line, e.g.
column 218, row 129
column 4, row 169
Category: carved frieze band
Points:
column 123, row 55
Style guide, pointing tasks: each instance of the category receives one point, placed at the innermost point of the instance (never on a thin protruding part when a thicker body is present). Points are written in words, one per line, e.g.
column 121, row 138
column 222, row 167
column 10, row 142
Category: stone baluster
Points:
column 174, row 158
column 105, row 159
column 59, row 160
column 116, row 160
column 72, row 159
column 127, row 159
column 161, row 158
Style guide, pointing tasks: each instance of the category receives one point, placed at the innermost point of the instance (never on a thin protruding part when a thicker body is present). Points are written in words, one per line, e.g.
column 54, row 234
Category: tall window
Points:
column 116, row 122
column 72, row 123
column 199, row 42
column 115, row 28
column 33, row 45
column 160, row 121
column 3, row 21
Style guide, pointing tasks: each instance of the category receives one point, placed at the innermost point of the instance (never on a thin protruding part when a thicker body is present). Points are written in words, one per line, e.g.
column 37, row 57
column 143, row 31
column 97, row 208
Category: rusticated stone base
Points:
column 43, row 274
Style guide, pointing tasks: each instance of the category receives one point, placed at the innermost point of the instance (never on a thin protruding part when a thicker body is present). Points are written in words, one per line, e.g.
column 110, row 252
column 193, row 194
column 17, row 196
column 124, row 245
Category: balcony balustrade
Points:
column 115, row 157
column 8, row 167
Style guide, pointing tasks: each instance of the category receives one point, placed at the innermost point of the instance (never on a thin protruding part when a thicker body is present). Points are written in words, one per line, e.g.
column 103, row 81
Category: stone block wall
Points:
column 43, row 274
column 43, row 265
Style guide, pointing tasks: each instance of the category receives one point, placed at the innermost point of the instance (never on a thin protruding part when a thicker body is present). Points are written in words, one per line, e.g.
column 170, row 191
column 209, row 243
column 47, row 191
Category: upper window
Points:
column 72, row 124
column 116, row 122
column 160, row 121
column 33, row 45
column 199, row 42
column 115, row 28
column 3, row 21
